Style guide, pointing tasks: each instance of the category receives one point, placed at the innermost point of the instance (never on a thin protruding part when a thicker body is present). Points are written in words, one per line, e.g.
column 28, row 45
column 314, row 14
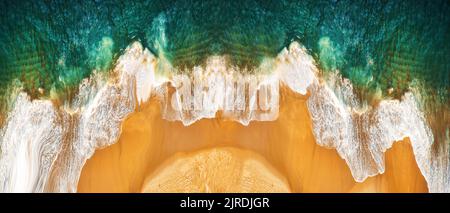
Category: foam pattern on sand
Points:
column 362, row 135
column 44, row 147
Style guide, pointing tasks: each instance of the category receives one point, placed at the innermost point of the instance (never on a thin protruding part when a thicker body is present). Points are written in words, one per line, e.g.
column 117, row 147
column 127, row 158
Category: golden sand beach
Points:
column 214, row 155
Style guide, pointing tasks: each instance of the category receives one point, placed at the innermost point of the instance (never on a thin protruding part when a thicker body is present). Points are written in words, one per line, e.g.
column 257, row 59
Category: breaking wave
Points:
column 45, row 146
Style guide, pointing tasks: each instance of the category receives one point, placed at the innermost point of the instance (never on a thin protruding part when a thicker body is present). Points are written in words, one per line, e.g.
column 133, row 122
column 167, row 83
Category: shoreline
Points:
column 147, row 141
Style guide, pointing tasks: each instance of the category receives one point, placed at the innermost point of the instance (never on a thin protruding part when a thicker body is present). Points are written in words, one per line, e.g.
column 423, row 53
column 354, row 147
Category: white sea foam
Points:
column 30, row 141
column 44, row 147
column 296, row 69
column 361, row 135
column 242, row 98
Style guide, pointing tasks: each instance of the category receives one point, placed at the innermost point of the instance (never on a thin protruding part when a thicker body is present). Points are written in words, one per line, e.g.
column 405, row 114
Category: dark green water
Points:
column 376, row 44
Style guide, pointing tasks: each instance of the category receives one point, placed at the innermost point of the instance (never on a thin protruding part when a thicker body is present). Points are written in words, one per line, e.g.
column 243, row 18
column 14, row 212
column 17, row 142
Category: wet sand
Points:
column 151, row 151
